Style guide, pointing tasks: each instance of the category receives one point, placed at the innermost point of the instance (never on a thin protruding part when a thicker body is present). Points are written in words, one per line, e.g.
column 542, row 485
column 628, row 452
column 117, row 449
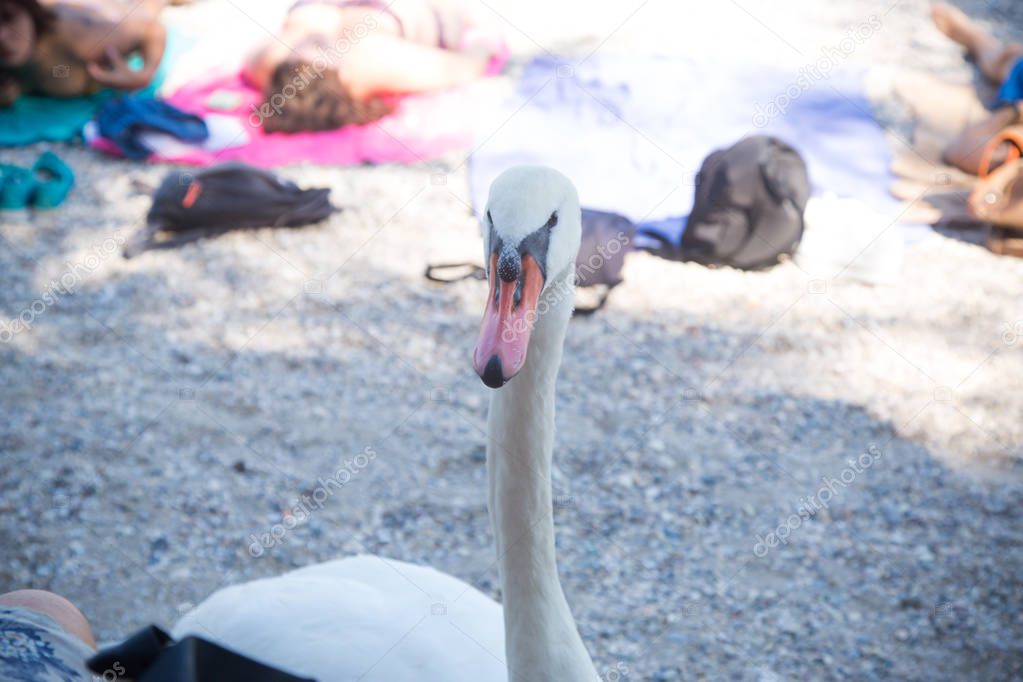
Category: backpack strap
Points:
column 472, row 271
column 589, row 310
column 665, row 248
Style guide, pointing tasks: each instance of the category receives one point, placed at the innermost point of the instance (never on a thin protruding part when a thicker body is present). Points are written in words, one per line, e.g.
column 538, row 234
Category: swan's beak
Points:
column 507, row 321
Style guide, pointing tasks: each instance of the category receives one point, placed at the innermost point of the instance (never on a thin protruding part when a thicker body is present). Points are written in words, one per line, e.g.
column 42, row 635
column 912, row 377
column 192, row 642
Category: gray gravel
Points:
column 162, row 411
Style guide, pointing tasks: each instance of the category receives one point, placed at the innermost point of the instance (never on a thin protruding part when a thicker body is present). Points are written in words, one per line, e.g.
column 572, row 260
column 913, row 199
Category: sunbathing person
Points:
column 334, row 59
column 999, row 62
column 65, row 49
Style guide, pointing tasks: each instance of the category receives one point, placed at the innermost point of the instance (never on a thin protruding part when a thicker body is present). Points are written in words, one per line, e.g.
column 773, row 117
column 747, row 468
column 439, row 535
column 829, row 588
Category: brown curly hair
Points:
column 43, row 18
column 298, row 98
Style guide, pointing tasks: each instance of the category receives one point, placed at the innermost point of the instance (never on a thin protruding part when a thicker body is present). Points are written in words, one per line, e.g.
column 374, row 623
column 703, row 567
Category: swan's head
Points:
column 532, row 228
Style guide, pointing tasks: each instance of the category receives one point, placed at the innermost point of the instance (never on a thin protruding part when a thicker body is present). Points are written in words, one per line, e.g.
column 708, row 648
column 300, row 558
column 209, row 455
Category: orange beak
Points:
column 507, row 323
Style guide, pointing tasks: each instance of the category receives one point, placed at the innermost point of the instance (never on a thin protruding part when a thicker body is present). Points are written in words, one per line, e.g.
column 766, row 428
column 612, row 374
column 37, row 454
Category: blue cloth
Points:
column 632, row 132
column 123, row 120
column 1012, row 89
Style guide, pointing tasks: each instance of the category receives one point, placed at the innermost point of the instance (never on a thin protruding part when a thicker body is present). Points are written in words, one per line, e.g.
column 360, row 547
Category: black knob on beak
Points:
column 509, row 264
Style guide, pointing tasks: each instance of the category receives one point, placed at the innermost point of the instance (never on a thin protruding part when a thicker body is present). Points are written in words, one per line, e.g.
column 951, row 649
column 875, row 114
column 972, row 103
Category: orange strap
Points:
column 1013, row 136
column 192, row 194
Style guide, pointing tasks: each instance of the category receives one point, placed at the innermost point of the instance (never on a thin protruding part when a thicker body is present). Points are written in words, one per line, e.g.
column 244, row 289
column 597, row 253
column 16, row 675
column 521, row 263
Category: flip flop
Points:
column 57, row 181
column 46, row 185
column 16, row 187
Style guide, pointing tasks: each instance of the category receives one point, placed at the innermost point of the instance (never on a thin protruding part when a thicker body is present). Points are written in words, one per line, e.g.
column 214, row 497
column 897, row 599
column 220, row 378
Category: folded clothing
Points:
column 125, row 120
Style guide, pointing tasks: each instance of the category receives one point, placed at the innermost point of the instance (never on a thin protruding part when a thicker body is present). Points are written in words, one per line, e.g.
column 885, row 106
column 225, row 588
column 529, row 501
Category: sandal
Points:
column 16, row 187
column 54, row 180
column 46, row 185
column 998, row 197
column 1009, row 140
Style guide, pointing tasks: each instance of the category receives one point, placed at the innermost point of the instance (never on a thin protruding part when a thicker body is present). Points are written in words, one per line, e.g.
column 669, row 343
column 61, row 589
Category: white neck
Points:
column 541, row 639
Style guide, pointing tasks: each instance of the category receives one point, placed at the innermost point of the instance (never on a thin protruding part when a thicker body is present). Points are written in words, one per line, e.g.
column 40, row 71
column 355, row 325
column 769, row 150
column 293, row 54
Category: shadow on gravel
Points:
column 706, row 528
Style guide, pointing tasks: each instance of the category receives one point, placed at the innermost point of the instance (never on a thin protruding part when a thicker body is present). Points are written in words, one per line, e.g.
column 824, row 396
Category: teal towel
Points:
column 34, row 119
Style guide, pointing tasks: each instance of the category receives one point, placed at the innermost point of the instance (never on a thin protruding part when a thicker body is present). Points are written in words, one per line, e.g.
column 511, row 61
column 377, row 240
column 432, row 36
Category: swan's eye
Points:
column 552, row 221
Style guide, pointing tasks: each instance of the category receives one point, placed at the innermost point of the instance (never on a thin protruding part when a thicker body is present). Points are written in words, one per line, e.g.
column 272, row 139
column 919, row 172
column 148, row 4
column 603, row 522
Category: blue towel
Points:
column 632, row 131
column 123, row 120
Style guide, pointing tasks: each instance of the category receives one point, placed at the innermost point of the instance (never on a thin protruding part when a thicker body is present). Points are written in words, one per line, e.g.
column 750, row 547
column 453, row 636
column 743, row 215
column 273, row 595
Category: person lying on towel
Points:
column 334, row 59
column 999, row 62
column 69, row 49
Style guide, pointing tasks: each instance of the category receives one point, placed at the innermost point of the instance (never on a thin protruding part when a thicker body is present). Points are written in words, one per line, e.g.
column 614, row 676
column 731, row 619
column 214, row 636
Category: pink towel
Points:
column 421, row 127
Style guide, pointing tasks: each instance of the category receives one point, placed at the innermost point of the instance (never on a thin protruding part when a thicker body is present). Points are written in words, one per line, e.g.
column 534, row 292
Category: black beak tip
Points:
column 493, row 375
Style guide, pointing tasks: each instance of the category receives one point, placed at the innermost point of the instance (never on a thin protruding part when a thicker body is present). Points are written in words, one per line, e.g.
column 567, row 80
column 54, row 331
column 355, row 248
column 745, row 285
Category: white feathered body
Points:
column 364, row 618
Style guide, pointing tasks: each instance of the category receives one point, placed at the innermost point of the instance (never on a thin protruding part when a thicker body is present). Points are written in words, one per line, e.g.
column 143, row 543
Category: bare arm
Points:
column 149, row 39
column 388, row 64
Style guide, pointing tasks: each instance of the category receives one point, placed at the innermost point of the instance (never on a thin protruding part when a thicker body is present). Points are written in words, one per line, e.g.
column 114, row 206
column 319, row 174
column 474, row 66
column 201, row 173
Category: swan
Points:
column 373, row 618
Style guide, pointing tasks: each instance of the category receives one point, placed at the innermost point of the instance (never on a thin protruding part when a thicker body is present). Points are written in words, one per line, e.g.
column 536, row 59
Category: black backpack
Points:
column 151, row 655
column 191, row 205
column 748, row 207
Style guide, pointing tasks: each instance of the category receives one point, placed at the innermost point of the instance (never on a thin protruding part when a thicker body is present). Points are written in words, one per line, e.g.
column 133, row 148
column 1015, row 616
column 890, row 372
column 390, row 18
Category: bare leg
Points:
column 994, row 57
column 56, row 607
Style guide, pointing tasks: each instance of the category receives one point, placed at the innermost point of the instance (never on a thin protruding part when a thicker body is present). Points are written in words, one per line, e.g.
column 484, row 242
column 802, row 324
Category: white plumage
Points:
column 370, row 618
column 363, row 618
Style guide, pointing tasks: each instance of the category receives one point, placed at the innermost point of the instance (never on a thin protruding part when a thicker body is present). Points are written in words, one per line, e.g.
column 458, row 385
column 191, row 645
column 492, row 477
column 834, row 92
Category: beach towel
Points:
column 422, row 127
column 36, row 119
column 632, row 131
